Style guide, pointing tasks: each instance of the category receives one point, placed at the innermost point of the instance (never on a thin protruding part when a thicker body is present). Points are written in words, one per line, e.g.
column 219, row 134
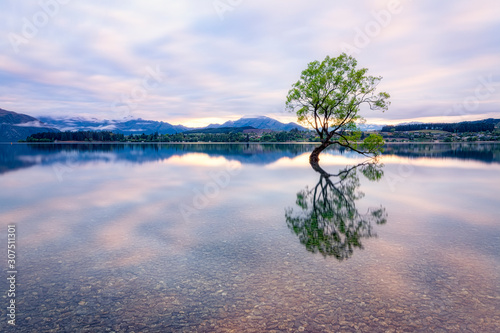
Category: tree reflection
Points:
column 328, row 221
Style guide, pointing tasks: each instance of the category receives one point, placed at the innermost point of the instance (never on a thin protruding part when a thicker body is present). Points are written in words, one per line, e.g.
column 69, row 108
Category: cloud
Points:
column 89, row 59
column 34, row 123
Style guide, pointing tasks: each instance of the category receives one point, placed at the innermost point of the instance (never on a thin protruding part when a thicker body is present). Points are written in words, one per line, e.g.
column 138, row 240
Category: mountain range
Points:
column 15, row 126
column 129, row 126
column 139, row 126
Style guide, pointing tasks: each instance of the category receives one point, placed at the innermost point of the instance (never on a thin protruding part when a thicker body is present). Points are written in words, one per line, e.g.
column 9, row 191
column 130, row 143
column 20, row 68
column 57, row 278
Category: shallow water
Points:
column 206, row 237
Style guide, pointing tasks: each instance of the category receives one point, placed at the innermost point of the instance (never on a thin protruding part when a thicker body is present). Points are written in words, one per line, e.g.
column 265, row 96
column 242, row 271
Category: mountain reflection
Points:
column 20, row 156
column 327, row 219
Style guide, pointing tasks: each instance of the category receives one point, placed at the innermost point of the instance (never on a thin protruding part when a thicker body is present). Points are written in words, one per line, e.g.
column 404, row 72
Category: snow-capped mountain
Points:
column 370, row 127
column 130, row 126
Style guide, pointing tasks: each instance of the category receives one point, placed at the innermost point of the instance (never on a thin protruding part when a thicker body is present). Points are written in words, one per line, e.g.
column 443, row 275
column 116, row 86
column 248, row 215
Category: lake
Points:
column 249, row 238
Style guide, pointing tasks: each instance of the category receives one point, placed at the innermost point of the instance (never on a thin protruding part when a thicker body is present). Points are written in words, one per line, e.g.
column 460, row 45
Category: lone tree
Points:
column 328, row 97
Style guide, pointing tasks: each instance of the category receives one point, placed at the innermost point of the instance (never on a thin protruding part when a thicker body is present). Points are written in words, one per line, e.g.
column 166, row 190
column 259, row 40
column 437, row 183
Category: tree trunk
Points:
column 314, row 157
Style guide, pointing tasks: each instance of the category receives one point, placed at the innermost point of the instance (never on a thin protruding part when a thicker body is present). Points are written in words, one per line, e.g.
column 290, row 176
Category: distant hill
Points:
column 17, row 126
column 464, row 126
column 259, row 122
column 244, row 129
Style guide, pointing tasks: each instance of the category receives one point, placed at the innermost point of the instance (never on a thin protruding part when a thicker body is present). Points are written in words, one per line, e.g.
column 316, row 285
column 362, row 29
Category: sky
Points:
column 207, row 61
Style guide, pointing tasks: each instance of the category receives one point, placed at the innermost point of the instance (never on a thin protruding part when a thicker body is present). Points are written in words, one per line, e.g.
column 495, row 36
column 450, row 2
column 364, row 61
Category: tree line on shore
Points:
column 487, row 125
column 108, row 136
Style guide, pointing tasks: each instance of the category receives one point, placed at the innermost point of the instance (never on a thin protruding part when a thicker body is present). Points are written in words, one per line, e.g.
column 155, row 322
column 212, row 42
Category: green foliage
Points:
column 373, row 144
column 328, row 97
column 372, row 171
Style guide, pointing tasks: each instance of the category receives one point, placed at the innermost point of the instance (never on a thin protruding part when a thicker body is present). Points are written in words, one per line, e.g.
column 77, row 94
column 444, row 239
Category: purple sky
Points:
column 203, row 61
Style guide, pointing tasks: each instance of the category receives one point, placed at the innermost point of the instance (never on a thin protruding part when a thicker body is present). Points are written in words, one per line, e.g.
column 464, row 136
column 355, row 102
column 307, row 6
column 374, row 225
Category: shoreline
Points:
column 228, row 143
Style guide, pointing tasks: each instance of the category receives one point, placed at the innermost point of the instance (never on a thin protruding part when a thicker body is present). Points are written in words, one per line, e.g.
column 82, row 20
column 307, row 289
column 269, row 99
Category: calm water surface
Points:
column 249, row 238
